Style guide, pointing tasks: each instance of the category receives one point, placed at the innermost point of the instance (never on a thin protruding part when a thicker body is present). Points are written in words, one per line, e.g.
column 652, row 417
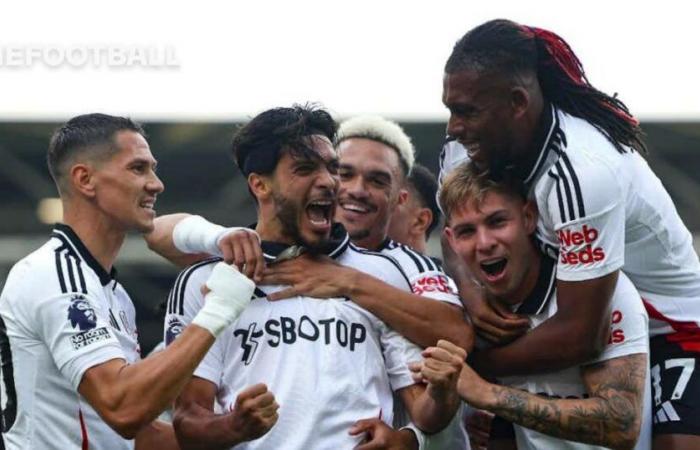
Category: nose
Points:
column 155, row 185
column 455, row 126
column 327, row 180
column 485, row 241
column 355, row 186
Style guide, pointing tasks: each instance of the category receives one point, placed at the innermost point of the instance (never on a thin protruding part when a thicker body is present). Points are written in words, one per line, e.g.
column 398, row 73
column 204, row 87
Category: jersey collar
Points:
column 75, row 246
column 544, row 288
column 549, row 141
column 336, row 245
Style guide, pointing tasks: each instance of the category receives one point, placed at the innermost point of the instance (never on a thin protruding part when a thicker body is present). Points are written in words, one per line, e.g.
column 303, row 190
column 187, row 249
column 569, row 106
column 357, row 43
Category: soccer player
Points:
column 520, row 103
column 604, row 402
column 329, row 362
column 71, row 371
column 375, row 159
column 413, row 222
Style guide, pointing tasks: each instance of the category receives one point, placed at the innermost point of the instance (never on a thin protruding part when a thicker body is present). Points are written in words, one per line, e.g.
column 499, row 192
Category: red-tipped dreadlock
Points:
column 510, row 48
column 562, row 55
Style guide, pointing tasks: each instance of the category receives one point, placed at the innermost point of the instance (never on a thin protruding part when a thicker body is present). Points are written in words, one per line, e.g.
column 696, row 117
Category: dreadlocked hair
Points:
column 507, row 47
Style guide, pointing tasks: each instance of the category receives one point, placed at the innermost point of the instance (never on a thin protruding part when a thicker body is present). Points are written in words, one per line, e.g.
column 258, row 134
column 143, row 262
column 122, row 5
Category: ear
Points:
column 423, row 220
column 82, row 179
column 260, row 186
column 402, row 198
column 519, row 101
column 530, row 216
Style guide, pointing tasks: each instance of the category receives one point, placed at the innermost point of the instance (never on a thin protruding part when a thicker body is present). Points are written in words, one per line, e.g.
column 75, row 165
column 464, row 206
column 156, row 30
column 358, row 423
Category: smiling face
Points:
column 370, row 188
column 303, row 192
column 126, row 185
column 493, row 237
column 481, row 117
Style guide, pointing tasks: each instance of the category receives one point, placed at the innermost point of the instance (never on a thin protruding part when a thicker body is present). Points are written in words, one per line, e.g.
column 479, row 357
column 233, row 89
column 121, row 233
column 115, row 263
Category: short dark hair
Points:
column 88, row 132
column 258, row 145
column 511, row 49
column 424, row 184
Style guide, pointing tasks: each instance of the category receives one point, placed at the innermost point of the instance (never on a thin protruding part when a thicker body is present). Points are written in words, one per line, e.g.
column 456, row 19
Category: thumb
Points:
column 362, row 426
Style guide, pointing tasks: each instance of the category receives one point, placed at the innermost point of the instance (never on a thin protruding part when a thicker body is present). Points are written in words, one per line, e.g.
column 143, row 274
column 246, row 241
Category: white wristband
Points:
column 420, row 436
column 195, row 234
column 230, row 292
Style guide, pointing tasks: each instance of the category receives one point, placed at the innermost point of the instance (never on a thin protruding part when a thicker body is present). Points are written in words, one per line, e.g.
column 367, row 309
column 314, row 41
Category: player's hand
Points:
column 242, row 248
column 312, row 276
column 478, row 425
column 494, row 322
column 379, row 435
column 254, row 413
column 440, row 368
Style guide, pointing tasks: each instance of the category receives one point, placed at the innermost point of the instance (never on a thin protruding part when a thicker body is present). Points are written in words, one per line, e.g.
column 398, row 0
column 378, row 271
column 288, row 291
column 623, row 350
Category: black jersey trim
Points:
column 69, row 271
column 544, row 288
column 176, row 299
column 387, row 257
column 577, row 185
column 71, row 240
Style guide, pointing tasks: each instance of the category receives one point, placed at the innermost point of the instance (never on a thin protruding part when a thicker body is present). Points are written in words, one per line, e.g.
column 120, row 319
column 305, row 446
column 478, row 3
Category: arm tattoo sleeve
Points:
column 610, row 417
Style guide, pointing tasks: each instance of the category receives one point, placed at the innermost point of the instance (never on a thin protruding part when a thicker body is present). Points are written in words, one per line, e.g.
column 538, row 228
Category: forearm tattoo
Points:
column 610, row 417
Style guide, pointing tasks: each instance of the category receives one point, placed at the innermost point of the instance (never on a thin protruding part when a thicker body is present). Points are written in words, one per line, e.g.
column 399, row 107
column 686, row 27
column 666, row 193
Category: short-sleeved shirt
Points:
column 60, row 314
column 628, row 336
column 328, row 362
column 601, row 210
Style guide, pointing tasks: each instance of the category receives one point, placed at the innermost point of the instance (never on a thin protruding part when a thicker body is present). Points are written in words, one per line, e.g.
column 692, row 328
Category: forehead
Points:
column 320, row 148
column 491, row 202
column 132, row 145
column 469, row 86
column 367, row 154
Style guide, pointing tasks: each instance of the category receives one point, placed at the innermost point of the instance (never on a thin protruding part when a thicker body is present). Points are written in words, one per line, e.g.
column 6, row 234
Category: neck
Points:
column 533, row 122
column 100, row 235
column 418, row 244
column 370, row 242
column 270, row 229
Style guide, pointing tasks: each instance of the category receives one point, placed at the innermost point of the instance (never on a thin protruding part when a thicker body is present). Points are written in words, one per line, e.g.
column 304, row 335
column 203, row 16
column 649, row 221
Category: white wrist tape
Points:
column 230, row 292
column 420, row 436
column 195, row 234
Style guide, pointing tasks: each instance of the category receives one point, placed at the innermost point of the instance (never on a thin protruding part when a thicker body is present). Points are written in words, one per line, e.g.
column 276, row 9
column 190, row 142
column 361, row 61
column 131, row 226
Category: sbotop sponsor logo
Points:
column 83, row 56
column 577, row 247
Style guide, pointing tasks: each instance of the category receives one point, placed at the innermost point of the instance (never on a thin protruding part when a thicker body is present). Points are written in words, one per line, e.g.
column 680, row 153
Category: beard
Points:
column 288, row 213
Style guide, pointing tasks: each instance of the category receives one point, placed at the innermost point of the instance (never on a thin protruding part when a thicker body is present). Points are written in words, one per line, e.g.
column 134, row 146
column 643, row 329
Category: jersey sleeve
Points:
column 398, row 353
column 629, row 327
column 76, row 331
column 184, row 302
column 436, row 285
column 586, row 205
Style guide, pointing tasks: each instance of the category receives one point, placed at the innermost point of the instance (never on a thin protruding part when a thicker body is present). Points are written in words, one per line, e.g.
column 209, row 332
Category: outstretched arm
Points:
column 610, row 417
column 422, row 320
column 184, row 239
column 575, row 334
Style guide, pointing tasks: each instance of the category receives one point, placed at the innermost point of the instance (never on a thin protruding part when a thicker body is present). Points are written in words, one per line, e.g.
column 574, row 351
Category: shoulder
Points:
column 190, row 277
column 38, row 274
column 376, row 264
column 411, row 261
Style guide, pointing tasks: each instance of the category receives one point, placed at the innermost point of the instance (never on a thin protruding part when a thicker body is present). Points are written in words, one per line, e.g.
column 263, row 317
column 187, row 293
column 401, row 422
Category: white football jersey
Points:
column 628, row 335
column 428, row 279
column 60, row 314
column 328, row 362
column 601, row 210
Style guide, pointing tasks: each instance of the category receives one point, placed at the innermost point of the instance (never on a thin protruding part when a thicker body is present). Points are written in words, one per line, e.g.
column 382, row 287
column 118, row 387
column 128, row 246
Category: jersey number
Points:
column 8, row 395
column 688, row 365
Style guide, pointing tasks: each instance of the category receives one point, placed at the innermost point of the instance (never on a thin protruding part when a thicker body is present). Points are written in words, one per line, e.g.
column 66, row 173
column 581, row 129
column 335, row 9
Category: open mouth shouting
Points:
column 493, row 269
column 320, row 214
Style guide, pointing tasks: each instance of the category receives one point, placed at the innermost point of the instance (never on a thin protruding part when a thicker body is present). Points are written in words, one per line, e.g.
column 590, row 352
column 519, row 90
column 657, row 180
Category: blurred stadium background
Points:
column 200, row 177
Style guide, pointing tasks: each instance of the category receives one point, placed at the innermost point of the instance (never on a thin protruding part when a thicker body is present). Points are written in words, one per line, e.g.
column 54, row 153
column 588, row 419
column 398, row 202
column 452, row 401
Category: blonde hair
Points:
column 466, row 183
column 379, row 129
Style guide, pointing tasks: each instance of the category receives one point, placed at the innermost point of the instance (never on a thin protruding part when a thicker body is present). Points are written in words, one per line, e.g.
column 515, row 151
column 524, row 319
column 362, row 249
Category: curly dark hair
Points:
column 258, row 145
column 506, row 47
